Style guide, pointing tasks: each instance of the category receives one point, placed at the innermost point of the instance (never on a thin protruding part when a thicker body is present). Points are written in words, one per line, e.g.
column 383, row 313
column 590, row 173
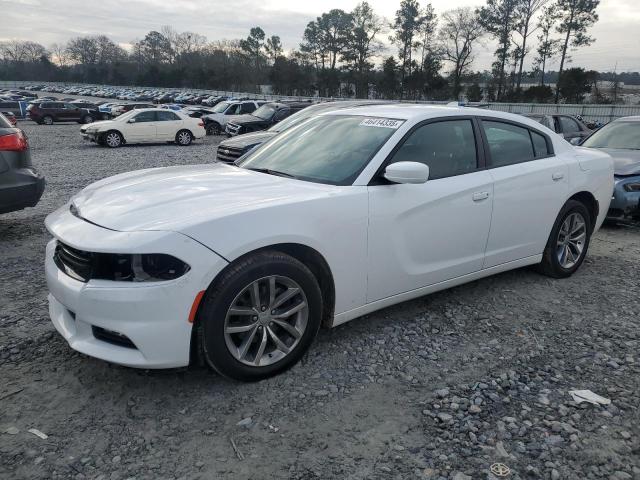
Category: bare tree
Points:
column 525, row 11
column 459, row 33
column 547, row 46
column 59, row 54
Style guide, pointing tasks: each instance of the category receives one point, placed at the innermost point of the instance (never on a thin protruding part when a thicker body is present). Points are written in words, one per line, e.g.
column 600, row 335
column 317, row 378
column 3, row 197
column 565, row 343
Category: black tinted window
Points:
column 145, row 117
column 508, row 144
column 568, row 125
column 247, row 108
column 282, row 114
column 539, row 144
column 447, row 147
column 167, row 116
column 9, row 105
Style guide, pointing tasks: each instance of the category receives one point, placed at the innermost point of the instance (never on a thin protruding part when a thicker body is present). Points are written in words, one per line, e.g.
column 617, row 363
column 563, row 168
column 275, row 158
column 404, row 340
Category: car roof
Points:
column 633, row 118
column 407, row 111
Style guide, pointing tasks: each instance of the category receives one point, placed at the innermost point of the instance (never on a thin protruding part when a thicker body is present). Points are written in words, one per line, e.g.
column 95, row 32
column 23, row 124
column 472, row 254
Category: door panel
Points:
column 143, row 129
column 526, row 201
column 420, row 235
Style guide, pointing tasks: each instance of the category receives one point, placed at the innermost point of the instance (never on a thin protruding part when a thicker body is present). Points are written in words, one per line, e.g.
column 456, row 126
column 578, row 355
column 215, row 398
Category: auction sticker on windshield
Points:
column 381, row 122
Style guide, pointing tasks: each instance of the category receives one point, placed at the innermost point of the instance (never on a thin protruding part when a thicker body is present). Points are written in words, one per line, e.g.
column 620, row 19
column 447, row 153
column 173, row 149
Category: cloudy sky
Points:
column 49, row 21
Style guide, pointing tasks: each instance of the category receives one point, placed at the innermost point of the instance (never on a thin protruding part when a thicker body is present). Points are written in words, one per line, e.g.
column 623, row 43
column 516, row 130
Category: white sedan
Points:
column 349, row 212
column 148, row 125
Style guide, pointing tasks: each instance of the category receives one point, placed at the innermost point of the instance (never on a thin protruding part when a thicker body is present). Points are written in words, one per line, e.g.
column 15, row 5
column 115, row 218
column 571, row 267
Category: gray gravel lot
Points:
column 441, row 387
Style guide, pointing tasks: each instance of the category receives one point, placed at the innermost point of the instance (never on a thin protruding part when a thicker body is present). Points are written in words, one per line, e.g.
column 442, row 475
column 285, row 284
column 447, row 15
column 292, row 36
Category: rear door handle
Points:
column 557, row 176
column 479, row 196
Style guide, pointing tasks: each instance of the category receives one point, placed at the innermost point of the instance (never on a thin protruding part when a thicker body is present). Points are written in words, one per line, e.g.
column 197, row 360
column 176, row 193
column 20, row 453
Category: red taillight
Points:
column 14, row 142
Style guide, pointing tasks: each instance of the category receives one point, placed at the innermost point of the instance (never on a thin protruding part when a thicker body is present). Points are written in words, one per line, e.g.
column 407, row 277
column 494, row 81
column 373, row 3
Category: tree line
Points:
column 434, row 55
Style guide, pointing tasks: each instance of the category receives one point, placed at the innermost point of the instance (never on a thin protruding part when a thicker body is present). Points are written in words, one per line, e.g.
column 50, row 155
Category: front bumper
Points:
column 624, row 203
column 152, row 316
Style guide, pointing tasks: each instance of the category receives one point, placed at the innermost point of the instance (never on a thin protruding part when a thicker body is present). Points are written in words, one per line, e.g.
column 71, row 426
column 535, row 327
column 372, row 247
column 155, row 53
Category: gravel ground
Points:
column 441, row 387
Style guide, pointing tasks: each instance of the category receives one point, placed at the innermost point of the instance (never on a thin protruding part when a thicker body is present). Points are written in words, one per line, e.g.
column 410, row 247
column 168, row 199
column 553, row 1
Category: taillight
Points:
column 14, row 142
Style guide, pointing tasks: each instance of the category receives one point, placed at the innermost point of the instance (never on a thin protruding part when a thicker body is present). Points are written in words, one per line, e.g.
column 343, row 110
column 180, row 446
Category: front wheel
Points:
column 113, row 139
column 568, row 243
column 47, row 120
column 260, row 317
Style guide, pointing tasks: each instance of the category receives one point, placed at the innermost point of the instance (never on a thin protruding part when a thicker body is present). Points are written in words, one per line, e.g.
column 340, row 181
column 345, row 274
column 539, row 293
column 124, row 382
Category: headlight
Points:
column 632, row 187
column 148, row 267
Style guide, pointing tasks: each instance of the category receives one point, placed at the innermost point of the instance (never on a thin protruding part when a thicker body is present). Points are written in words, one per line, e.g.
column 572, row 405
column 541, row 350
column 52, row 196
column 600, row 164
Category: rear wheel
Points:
column 568, row 243
column 47, row 120
column 214, row 129
column 87, row 119
column 113, row 139
column 184, row 138
column 260, row 317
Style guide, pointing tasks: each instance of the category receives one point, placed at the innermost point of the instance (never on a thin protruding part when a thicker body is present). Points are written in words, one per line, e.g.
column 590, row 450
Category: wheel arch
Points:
column 589, row 201
column 310, row 257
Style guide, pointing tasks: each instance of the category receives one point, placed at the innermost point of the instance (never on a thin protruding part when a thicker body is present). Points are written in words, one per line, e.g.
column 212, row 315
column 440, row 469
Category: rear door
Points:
column 71, row 112
column 530, row 187
column 167, row 125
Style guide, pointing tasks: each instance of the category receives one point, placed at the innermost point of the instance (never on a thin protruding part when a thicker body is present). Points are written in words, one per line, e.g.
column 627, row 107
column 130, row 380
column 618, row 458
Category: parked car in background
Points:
column 568, row 126
column 621, row 140
column 121, row 108
column 11, row 118
column 49, row 112
column 18, row 108
column 149, row 125
column 231, row 149
column 216, row 122
column 20, row 184
column 263, row 118
column 197, row 112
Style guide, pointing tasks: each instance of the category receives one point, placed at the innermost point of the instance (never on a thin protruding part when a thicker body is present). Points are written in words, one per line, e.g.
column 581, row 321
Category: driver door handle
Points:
column 557, row 176
column 479, row 196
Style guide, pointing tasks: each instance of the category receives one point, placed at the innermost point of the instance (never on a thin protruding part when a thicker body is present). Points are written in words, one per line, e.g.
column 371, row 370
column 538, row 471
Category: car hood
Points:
column 175, row 198
column 246, row 118
column 247, row 139
column 625, row 162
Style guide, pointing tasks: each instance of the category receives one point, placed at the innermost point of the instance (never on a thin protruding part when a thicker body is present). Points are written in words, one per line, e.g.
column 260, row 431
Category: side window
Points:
column 70, row 106
column 569, row 125
column 447, row 147
column 282, row 114
column 144, row 117
column 508, row 144
column 540, row 144
column 233, row 109
column 167, row 116
column 247, row 107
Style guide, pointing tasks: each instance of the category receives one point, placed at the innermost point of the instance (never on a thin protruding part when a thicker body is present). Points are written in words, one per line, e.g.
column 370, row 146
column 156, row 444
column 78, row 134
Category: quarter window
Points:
column 448, row 148
column 539, row 144
column 508, row 144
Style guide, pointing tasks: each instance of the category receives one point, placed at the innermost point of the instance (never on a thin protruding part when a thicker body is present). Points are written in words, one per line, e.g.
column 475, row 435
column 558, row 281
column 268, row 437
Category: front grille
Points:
column 114, row 338
column 229, row 154
column 233, row 129
column 75, row 263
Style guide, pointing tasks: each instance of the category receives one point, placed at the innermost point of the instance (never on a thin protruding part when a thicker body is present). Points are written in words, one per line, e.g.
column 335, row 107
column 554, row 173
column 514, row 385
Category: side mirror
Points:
column 407, row 172
column 575, row 141
column 131, row 120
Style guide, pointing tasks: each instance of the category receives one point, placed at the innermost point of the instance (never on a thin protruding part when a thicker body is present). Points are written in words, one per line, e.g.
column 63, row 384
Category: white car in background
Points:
column 149, row 125
column 346, row 213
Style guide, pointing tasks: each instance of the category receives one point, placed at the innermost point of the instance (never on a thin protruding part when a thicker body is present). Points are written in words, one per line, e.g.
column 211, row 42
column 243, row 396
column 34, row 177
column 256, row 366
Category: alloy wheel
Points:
column 266, row 321
column 184, row 138
column 571, row 240
column 113, row 140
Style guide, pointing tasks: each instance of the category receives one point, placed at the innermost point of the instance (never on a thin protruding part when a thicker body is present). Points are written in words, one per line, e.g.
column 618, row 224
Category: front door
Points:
column 420, row 235
column 142, row 128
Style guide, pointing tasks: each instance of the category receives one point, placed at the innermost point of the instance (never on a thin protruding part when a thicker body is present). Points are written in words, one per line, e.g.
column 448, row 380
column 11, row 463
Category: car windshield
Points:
column 127, row 115
column 331, row 149
column 623, row 135
column 265, row 112
column 221, row 107
column 298, row 118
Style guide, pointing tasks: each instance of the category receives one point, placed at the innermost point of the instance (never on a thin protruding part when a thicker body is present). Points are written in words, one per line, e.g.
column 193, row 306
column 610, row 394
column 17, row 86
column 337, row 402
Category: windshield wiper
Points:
column 272, row 172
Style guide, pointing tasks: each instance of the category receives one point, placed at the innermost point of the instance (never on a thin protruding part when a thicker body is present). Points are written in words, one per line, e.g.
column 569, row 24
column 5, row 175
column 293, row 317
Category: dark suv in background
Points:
column 49, row 112
column 264, row 117
column 20, row 185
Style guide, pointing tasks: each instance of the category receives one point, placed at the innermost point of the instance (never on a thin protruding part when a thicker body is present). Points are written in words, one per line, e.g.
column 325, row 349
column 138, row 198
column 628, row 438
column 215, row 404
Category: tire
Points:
column 184, row 138
column 87, row 119
column 213, row 128
column 47, row 120
column 563, row 256
column 113, row 139
column 263, row 357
